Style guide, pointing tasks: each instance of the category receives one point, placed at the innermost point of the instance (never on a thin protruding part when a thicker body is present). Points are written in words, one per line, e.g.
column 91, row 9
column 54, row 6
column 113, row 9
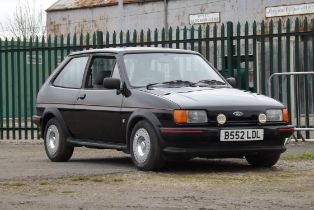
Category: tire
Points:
column 144, row 147
column 263, row 160
column 56, row 147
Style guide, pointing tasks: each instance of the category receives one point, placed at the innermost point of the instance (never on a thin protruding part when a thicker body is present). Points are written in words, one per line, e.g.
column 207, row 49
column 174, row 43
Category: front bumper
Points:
column 205, row 142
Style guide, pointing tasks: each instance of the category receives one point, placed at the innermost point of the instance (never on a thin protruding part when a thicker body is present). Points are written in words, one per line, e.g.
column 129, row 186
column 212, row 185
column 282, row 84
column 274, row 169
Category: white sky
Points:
column 7, row 7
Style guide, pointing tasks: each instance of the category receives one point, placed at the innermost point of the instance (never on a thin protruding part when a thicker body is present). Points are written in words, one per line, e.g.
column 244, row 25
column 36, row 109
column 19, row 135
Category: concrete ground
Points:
column 105, row 179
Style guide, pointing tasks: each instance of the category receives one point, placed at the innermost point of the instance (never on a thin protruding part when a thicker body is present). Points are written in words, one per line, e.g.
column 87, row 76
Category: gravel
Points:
column 105, row 179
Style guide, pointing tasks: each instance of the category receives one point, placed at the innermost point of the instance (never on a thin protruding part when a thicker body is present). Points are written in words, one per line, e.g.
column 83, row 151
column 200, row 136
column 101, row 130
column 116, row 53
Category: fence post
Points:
column 255, row 57
column 288, row 69
column 114, row 39
column 178, row 37
column 134, row 38
column 263, row 58
column 200, row 39
column 19, row 89
column 99, row 39
column 68, row 44
column 163, row 37
column 12, row 87
column 297, row 68
column 148, row 38
column 215, row 46
column 170, row 37
column 127, row 38
column 1, row 90
column 306, row 88
column 192, row 30
column 280, row 58
column 81, row 42
column 107, row 39
column 246, row 54
column 7, row 105
column 222, row 48
column 142, row 38
column 229, row 48
column 25, row 88
column 207, row 43
column 271, row 54
column 73, row 45
column 6, row 75
column 185, row 38
column 156, row 38
column 31, row 89
column 239, row 75
column 121, row 39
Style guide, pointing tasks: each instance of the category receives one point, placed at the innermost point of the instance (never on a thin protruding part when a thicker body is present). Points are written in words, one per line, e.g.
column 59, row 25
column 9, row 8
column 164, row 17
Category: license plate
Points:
column 242, row 135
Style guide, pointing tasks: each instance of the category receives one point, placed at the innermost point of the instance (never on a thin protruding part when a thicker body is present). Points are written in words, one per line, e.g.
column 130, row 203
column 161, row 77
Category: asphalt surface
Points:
column 27, row 160
column 20, row 161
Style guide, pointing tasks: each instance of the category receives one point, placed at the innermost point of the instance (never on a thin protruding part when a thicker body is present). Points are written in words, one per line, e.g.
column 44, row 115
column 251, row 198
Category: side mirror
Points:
column 111, row 83
column 232, row 81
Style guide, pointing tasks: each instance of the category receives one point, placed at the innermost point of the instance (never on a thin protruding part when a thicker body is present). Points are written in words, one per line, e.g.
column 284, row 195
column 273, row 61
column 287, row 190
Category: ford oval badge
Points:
column 238, row 114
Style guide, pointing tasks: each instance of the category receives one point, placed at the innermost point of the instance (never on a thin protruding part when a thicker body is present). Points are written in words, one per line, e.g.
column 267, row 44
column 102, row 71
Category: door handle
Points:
column 81, row 97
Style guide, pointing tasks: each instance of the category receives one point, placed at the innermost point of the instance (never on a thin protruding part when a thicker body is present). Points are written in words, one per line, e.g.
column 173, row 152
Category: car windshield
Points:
column 148, row 69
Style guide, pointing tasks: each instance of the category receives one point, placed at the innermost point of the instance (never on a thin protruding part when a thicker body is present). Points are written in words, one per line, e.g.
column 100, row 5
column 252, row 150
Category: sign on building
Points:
column 299, row 9
column 205, row 18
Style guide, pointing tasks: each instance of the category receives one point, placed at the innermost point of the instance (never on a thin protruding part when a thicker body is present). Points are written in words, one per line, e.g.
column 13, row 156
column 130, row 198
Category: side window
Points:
column 72, row 74
column 100, row 68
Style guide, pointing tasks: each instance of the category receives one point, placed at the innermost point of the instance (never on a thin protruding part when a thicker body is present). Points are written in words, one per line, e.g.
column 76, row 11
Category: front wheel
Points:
column 57, row 149
column 145, row 149
column 263, row 160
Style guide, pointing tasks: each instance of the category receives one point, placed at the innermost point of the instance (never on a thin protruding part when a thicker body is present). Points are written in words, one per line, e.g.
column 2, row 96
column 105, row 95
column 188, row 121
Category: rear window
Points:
column 72, row 74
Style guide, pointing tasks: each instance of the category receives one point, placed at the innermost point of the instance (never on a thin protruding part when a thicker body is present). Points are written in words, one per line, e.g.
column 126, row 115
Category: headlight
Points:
column 190, row 116
column 278, row 115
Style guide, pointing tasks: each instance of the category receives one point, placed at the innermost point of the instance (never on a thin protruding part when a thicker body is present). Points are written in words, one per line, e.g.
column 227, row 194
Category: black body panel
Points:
column 105, row 118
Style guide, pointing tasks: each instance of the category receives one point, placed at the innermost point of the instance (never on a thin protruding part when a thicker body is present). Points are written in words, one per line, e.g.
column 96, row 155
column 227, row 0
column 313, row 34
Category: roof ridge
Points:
column 61, row 5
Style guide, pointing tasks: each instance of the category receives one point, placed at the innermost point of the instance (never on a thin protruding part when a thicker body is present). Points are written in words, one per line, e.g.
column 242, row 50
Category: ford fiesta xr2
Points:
column 157, row 105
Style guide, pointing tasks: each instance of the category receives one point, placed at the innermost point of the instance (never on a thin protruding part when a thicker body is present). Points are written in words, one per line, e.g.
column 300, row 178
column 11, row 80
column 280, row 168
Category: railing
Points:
column 297, row 115
column 250, row 52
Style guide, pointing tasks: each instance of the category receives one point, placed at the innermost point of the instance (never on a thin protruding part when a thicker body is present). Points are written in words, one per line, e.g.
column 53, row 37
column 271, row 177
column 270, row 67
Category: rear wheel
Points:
column 263, row 160
column 145, row 149
column 57, row 149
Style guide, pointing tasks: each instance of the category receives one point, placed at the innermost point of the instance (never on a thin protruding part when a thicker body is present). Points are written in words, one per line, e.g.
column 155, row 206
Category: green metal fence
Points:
column 249, row 52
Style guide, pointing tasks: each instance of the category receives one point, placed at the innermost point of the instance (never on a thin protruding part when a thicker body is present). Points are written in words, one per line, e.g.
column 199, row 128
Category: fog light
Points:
column 221, row 119
column 262, row 118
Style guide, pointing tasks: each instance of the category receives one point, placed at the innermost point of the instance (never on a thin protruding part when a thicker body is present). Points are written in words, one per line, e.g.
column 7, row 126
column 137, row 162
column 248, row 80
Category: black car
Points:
column 156, row 104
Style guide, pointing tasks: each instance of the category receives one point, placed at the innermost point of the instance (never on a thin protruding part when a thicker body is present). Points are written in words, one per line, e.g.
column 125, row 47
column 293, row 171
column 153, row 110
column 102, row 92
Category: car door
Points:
column 66, row 87
column 98, row 109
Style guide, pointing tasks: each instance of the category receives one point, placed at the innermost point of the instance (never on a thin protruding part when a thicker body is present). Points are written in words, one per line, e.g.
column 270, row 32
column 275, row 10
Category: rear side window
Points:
column 72, row 74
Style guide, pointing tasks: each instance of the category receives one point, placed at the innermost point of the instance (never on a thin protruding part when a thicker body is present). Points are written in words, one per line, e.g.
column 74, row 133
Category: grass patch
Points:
column 18, row 184
column 118, row 179
column 106, row 179
column 304, row 156
column 97, row 179
column 68, row 192
column 80, row 178
column 44, row 183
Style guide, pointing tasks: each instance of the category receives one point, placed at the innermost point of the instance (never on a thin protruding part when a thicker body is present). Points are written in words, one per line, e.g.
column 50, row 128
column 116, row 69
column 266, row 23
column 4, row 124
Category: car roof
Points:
column 131, row 50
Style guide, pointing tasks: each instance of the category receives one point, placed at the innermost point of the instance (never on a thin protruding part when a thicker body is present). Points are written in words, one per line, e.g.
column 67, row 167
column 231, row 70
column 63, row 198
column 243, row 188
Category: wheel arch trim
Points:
column 50, row 113
column 137, row 116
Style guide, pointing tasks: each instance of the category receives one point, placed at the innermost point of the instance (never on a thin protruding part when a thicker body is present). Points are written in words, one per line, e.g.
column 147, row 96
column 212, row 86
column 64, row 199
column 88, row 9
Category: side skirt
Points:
column 96, row 144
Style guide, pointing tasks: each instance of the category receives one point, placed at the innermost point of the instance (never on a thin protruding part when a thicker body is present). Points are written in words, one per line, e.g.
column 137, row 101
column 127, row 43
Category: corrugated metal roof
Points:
column 78, row 4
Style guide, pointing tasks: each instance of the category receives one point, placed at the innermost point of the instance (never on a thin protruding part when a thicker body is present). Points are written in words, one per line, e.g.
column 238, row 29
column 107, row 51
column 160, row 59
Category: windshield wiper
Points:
column 173, row 82
column 210, row 82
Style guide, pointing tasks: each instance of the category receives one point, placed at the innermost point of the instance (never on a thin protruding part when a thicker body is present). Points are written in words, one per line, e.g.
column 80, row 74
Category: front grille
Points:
column 249, row 118
column 237, row 123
